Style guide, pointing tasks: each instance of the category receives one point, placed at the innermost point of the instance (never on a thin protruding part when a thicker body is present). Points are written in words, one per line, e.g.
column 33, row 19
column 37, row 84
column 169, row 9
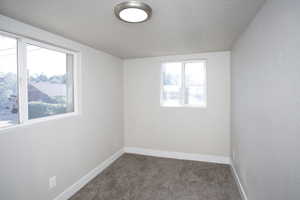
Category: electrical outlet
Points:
column 52, row 182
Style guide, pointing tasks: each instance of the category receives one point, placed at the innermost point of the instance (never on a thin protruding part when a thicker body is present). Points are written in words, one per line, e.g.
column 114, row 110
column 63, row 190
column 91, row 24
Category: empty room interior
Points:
column 150, row 100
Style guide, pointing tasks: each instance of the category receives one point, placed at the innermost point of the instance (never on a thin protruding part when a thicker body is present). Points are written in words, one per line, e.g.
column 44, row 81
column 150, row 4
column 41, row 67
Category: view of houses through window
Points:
column 49, row 81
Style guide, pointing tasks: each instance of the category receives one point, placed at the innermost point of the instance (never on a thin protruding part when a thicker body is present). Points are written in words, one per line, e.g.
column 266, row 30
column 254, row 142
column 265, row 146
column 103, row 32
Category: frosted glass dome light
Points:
column 133, row 11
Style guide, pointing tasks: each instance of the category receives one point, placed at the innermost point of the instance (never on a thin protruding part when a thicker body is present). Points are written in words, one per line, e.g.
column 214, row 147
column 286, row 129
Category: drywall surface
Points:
column 66, row 148
column 188, row 130
column 266, row 103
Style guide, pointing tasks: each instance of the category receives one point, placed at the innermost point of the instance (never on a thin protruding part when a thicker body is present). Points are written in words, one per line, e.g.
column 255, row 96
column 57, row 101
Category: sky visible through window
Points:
column 37, row 56
column 8, row 55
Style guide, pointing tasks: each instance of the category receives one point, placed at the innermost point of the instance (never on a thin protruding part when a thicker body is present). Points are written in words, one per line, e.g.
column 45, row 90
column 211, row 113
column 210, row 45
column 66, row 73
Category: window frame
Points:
column 183, row 88
column 22, row 80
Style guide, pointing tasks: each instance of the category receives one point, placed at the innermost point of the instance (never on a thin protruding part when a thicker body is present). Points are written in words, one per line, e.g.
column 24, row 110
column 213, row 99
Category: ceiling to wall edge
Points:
column 234, row 42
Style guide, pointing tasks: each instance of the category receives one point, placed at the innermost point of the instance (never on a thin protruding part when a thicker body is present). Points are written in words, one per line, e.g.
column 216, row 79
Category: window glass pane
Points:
column 196, row 96
column 195, row 74
column 50, row 82
column 195, row 83
column 172, row 83
column 172, row 74
column 171, row 95
column 9, row 107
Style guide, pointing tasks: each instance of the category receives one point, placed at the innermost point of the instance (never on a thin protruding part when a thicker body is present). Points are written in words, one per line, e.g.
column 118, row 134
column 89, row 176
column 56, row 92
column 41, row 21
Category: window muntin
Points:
column 9, row 111
column 44, row 80
column 184, row 84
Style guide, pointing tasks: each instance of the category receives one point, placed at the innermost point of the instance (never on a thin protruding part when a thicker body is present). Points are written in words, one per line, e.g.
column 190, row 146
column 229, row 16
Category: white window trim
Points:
column 23, row 81
column 183, row 104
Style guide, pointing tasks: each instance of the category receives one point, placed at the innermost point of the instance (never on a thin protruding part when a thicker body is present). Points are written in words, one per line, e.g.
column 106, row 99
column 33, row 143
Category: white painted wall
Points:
column 266, row 103
column 189, row 130
column 68, row 148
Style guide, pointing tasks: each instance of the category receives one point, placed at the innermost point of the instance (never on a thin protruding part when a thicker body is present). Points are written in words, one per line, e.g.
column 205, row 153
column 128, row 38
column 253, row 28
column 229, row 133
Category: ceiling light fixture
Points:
column 133, row 11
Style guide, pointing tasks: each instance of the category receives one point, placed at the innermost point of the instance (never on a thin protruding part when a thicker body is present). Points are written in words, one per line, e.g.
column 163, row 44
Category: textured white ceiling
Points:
column 176, row 26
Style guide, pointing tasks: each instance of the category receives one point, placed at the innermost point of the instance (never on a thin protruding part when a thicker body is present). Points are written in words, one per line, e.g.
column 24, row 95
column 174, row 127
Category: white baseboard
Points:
column 178, row 155
column 70, row 191
column 238, row 181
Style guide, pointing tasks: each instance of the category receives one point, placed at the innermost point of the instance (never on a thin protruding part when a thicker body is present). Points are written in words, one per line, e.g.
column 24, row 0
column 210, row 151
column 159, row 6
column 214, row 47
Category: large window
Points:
column 184, row 84
column 36, row 80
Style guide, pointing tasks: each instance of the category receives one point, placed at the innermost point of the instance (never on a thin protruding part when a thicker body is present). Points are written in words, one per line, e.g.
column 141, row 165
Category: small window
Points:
column 184, row 84
column 36, row 80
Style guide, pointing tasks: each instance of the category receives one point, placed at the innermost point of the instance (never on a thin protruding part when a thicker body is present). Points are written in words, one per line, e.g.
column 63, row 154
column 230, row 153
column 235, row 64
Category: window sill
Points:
column 37, row 121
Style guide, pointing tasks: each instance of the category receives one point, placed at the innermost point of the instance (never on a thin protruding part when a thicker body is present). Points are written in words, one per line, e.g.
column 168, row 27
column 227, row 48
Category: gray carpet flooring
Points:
column 136, row 177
